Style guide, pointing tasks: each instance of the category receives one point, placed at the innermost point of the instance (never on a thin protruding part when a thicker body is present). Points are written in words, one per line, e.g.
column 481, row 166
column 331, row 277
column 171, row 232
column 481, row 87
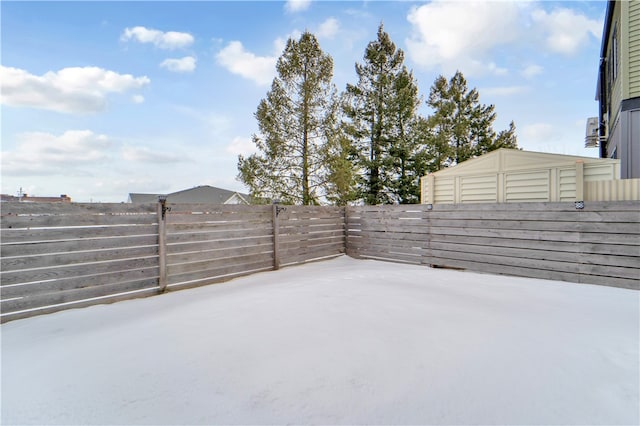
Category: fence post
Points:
column 427, row 257
column 276, row 255
column 345, row 221
column 162, row 243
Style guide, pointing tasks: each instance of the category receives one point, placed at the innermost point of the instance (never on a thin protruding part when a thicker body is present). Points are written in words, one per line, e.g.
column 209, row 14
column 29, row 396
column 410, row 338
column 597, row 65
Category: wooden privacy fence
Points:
column 599, row 244
column 56, row 256
column 210, row 243
column 60, row 256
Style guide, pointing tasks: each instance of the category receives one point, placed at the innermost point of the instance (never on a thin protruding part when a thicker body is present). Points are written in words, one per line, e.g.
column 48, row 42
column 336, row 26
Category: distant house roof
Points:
column 200, row 194
column 143, row 198
column 64, row 198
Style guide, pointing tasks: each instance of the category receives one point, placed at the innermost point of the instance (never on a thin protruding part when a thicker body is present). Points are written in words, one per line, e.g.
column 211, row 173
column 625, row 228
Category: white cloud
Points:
column 72, row 90
column 260, row 69
column 39, row 153
column 495, row 69
column 328, row 29
column 137, row 99
column 293, row 6
column 164, row 40
column 503, row 91
column 461, row 35
column 147, row 155
column 241, row 146
column 532, row 70
column 566, row 31
column 186, row 64
column 538, row 132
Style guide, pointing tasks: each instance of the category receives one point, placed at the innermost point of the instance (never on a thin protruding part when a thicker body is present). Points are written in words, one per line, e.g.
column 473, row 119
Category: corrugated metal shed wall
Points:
column 612, row 190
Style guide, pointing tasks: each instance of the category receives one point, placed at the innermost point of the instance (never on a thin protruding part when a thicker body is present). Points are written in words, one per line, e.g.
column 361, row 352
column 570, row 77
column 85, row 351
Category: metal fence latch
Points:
column 165, row 209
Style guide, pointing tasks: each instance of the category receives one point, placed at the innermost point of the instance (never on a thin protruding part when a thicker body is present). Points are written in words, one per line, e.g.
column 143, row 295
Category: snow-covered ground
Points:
column 337, row 342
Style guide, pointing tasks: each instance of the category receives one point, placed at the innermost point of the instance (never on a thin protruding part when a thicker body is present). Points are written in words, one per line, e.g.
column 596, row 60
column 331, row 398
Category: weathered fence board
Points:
column 112, row 298
column 215, row 262
column 74, row 295
column 593, row 248
column 81, row 209
column 538, row 254
column 51, row 221
column 194, row 236
column 216, row 244
column 52, row 286
column 78, row 270
column 20, row 236
column 87, row 244
column 217, row 253
column 221, row 273
column 52, row 260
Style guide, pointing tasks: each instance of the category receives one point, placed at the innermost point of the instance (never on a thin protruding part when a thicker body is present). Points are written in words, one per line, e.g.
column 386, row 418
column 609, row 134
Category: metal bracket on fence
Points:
column 579, row 205
column 278, row 208
column 163, row 202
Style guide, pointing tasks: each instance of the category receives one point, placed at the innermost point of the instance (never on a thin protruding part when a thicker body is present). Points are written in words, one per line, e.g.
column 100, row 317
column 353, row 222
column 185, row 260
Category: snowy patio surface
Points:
column 342, row 341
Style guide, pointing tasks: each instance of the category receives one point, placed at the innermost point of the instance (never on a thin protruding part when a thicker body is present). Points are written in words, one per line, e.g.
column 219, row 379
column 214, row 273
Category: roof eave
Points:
column 611, row 4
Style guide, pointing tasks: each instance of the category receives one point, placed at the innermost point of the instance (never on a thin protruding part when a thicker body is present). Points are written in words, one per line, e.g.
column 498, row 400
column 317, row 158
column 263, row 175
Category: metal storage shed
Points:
column 511, row 175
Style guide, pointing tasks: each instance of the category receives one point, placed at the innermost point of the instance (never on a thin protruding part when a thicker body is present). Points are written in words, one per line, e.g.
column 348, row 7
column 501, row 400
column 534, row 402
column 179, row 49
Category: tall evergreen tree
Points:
column 463, row 123
column 380, row 111
column 406, row 165
column 296, row 121
column 341, row 176
column 505, row 139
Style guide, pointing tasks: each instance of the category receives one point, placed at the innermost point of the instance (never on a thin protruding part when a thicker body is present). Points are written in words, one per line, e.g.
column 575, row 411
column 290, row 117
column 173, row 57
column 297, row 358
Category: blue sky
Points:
column 100, row 99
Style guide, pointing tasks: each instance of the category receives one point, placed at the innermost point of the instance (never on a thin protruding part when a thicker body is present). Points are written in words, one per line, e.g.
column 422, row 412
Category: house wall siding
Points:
column 614, row 143
column 634, row 48
column 614, row 87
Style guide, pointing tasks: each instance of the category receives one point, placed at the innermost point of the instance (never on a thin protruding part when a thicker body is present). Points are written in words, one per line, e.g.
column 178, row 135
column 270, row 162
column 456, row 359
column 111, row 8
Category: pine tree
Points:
column 504, row 139
column 296, row 121
column 341, row 177
column 406, row 165
column 460, row 121
column 380, row 111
